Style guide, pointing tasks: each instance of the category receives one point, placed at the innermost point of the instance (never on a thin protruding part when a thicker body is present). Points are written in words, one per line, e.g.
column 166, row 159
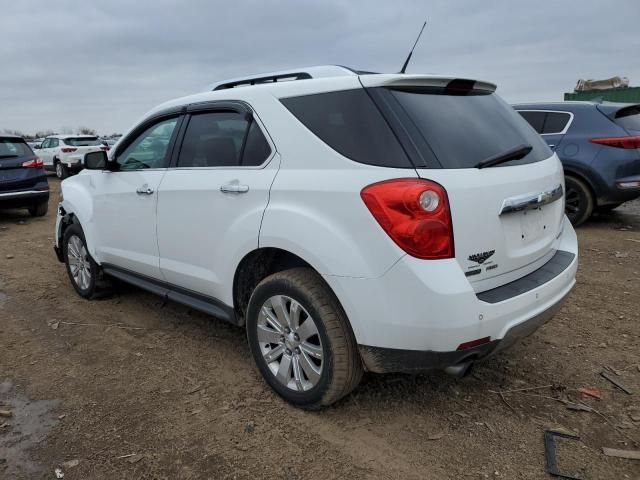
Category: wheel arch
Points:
column 78, row 209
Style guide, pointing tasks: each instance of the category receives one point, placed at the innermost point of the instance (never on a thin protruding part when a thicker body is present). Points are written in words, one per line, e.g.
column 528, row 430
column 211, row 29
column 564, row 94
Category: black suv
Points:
column 23, row 181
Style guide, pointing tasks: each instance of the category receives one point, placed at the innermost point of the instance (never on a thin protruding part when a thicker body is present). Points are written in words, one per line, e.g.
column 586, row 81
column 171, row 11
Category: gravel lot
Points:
column 176, row 396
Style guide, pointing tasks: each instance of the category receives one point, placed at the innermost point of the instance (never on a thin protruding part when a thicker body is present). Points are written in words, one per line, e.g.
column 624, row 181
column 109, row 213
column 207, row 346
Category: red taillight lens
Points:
column 34, row 163
column 68, row 149
column 619, row 142
column 415, row 214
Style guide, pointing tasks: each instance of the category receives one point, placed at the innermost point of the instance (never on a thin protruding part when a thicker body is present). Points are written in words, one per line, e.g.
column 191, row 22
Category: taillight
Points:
column 104, row 148
column 415, row 214
column 33, row 163
column 68, row 149
column 619, row 142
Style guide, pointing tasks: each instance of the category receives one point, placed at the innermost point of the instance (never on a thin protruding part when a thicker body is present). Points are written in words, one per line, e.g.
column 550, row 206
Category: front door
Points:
column 126, row 199
column 211, row 201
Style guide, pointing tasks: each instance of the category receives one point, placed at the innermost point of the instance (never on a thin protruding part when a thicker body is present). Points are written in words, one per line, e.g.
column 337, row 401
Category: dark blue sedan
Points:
column 599, row 146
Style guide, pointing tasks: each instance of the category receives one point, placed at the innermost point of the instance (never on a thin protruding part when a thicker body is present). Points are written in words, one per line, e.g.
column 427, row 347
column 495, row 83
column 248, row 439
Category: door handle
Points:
column 552, row 146
column 234, row 188
column 144, row 190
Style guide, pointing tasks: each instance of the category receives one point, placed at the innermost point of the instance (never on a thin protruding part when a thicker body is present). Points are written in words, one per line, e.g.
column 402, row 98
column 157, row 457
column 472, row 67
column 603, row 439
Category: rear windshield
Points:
column 82, row 141
column 458, row 131
column 628, row 118
column 12, row 148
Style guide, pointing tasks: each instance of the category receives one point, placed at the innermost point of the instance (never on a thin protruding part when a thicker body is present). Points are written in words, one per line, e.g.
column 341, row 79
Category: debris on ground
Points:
column 71, row 463
column 6, row 413
column 9, row 257
column 436, row 436
column 134, row 458
column 592, row 392
column 250, row 427
column 616, row 382
column 59, row 473
column 614, row 452
column 550, row 453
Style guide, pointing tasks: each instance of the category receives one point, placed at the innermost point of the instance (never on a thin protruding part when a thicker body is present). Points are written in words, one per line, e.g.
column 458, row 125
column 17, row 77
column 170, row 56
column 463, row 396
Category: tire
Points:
column 311, row 382
column 62, row 171
column 579, row 203
column 39, row 209
column 75, row 252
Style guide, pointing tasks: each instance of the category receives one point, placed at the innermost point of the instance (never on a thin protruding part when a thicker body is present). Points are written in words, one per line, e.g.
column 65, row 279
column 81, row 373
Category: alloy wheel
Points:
column 79, row 264
column 290, row 343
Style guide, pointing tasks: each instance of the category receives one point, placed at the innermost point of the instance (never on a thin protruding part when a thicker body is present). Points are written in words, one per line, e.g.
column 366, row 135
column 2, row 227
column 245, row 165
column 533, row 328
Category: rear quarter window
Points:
column 462, row 130
column 628, row 118
column 350, row 123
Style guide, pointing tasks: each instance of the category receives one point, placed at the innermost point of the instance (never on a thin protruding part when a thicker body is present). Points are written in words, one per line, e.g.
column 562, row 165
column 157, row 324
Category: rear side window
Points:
column 546, row 123
column 535, row 119
column 13, row 147
column 462, row 130
column 223, row 139
column 350, row 123
column 555, row 122
column 629, row 118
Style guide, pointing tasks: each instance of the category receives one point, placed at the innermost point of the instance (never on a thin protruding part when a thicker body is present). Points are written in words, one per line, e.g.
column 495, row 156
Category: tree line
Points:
column 63, row 130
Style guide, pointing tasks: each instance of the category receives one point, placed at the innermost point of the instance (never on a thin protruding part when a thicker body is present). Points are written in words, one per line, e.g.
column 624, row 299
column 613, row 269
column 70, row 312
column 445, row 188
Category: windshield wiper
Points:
column 516, row 153
column 9, row 156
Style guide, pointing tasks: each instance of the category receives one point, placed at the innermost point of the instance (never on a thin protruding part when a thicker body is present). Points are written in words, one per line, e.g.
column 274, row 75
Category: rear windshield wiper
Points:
column 515, row 153
column 9, row 156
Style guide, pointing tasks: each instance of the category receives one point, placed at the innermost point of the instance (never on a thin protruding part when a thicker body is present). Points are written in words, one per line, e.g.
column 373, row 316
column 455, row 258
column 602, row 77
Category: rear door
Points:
column 497, row 239
column 212, row 199
column 46, row 154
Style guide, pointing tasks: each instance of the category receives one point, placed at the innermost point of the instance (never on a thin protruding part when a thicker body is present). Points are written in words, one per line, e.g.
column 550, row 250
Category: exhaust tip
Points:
column 459, row 370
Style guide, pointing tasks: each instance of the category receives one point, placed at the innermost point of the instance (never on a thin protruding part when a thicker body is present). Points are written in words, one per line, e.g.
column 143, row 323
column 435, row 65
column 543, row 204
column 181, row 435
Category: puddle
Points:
column 29, row 425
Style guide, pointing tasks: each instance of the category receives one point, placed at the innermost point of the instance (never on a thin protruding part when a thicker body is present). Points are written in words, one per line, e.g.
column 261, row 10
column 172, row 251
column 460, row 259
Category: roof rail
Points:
column 284, row 76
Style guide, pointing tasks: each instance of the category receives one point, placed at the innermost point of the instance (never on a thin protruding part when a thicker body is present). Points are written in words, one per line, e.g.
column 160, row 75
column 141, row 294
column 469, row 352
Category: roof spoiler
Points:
column 451, row 84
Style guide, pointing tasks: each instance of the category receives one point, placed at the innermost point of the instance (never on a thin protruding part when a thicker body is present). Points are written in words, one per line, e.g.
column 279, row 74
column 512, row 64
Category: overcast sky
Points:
column 103, row 64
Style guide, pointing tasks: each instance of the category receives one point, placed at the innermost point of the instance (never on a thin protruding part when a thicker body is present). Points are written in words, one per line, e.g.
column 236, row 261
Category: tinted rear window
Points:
column 462, row 130
column 535, row 119
column 629, row 118
column 350, row 123
column 555, row 122
column 12, row 148
column 82, row 142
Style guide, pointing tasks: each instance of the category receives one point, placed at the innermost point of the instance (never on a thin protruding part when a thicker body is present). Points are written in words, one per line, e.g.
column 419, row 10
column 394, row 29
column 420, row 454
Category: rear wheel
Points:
column 579, row 202
column 62, row 171
column 300, row 339
column 39, row 209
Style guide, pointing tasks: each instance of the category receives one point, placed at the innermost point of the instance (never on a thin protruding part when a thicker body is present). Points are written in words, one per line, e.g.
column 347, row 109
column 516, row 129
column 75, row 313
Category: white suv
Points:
column 64, row 153
column 350, row 222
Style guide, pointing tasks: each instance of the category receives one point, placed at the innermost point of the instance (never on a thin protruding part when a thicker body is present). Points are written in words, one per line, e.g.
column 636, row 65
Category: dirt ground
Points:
column 177, row 396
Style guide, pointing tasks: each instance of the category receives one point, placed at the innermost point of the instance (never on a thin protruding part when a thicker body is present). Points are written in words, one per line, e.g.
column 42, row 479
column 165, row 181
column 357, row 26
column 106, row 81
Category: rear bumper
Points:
column 23, row 198
column 418, row 313
column 386, row 360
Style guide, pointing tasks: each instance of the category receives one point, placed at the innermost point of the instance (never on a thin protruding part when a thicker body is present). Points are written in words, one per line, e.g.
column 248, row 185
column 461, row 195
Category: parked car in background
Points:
column 23, row 181
column 63, row 153
column 34, row 144
column 599, row 146
column 350, row 221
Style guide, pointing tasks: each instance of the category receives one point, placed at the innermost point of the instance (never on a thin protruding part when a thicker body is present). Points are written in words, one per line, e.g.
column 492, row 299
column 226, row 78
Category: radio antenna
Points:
column 406, row 62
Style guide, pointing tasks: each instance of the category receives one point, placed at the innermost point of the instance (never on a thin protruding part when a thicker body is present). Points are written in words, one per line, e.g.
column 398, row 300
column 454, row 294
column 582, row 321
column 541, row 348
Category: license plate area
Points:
column 533, row 225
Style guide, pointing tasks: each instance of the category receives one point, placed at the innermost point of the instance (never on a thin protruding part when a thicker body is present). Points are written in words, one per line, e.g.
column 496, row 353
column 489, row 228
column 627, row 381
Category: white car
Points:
column 350, row 222
column 64, row 153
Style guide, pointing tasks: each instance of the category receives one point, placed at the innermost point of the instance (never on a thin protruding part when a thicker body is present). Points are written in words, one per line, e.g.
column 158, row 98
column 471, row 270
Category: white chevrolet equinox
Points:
column 349, row 221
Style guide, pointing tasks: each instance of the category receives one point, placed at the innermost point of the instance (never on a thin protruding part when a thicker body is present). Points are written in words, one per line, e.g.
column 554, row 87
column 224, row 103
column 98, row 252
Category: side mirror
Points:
column 95, row 160
column 37, row 146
